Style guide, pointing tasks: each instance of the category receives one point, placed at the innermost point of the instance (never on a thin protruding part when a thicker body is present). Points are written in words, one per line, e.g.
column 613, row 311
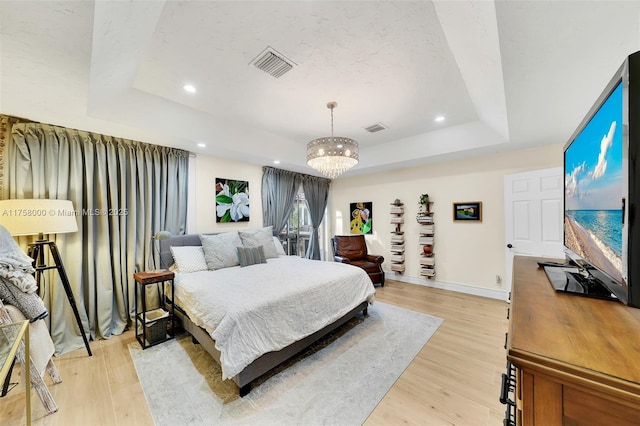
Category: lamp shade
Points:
column 162, row 235
column 37, row 216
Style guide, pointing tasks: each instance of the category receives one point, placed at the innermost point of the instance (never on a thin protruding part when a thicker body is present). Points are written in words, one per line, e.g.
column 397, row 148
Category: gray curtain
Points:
column 279, row 189
column 316, row 192
column 124, row 192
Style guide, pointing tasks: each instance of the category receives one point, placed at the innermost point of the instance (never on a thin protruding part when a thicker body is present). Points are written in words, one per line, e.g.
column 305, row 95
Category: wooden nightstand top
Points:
column 153, row 276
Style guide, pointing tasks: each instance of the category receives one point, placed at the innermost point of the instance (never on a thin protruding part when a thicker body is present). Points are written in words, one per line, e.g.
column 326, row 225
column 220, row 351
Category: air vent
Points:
column 273, row 63
column 375, row 127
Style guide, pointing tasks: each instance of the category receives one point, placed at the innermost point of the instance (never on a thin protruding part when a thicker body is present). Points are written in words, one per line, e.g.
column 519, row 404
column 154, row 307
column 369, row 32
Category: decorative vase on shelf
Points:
column 426, row 249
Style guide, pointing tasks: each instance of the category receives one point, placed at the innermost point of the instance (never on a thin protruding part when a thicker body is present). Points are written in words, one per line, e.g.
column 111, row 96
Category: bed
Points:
column 253, row 318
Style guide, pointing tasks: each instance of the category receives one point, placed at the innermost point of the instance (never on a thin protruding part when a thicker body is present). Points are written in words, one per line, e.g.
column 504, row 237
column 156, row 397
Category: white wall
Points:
column 468, row 255
column 207, row 169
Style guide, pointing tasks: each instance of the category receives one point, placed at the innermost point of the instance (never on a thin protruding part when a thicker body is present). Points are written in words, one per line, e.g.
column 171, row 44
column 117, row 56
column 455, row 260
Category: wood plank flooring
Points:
column 454, row 380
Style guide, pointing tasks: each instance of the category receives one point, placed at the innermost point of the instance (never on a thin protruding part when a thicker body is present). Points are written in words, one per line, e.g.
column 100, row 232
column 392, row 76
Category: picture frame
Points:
column 361, row 221
column 232, row 200
column 469, row 211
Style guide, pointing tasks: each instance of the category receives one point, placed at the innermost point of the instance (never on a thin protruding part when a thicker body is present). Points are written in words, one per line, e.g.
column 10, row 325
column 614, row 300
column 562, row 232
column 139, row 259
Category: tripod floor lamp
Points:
column 40, row 217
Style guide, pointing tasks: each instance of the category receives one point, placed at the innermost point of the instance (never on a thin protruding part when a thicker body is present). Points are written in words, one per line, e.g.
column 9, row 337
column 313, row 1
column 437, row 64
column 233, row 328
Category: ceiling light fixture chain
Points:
column 332, row 156
column 331, row 106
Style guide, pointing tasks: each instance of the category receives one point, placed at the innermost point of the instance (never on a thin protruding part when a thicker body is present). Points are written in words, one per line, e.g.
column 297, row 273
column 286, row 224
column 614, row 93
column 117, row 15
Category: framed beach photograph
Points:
column 361, row 217
column 468, row 211
column 232, row 200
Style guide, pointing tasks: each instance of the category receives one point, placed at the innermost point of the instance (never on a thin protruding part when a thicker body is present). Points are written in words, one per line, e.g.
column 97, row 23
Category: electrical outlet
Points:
column 498, row 280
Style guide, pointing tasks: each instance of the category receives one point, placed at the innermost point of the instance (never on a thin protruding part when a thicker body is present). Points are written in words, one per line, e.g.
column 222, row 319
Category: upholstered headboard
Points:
column 166, row 258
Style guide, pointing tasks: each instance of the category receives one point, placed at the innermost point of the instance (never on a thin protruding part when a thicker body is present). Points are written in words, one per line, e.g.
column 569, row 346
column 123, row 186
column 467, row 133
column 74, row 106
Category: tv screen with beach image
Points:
column 594, row 189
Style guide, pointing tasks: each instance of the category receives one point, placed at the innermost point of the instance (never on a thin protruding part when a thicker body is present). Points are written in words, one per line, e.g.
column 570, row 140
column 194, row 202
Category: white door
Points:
column 534, row 206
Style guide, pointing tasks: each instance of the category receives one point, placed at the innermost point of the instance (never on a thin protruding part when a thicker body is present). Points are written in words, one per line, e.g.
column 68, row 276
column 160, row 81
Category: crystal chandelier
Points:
column 332, row 156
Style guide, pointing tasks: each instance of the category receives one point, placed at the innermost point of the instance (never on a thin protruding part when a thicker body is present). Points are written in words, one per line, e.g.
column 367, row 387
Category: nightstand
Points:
column 151, row 325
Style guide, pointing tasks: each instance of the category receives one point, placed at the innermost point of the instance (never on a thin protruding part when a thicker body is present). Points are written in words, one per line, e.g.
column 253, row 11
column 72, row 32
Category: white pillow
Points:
column 260, row 237
column 279, row 248
column 189, row 258
column 221, row 250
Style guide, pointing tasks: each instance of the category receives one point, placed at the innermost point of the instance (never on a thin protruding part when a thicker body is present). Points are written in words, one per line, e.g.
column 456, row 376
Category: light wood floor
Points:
column 454, row 380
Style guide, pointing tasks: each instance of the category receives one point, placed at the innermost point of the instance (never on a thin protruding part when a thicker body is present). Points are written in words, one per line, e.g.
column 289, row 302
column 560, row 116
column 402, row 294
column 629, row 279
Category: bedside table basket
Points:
column 156, row 325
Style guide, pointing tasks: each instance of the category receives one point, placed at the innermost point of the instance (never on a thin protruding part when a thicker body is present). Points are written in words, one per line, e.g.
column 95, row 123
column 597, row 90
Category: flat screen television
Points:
column 602, row 191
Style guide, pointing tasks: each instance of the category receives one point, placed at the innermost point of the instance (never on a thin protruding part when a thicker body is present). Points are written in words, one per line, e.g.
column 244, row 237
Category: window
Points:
column 297, row 232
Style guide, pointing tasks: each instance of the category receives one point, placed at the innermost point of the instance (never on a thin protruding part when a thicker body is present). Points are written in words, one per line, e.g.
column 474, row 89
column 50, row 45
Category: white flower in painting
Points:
column 237, row 204
column 240, row 206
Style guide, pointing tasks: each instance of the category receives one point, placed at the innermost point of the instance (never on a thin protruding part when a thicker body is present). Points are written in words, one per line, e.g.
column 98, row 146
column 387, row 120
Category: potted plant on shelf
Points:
column 423, row 208
column 424, row 201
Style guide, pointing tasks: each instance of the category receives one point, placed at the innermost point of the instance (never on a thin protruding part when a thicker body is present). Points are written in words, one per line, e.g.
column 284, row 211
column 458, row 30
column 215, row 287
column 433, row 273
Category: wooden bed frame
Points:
column 267, row 361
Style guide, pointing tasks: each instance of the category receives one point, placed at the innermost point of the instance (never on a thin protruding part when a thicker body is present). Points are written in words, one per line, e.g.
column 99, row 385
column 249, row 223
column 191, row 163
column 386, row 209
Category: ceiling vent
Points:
column 273, row 62
column 375, row 128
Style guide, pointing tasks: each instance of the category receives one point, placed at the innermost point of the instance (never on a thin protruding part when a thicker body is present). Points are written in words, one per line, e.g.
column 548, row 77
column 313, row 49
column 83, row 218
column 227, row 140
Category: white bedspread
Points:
column 265, row 307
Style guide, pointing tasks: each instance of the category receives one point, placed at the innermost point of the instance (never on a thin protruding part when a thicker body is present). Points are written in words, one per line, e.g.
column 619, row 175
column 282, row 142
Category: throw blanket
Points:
column 15, row 266
column 29, row 304
column 17, row 285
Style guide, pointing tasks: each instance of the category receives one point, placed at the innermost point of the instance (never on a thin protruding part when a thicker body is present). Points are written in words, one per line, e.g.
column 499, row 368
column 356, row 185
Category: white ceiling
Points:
column 505, row 74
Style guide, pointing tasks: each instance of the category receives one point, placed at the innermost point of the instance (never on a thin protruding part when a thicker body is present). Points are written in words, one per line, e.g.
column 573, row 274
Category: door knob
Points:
column 509, row 245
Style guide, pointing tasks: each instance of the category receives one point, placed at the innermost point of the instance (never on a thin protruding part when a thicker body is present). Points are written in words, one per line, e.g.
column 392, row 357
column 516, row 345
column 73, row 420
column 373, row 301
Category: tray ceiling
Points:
column 505, row 74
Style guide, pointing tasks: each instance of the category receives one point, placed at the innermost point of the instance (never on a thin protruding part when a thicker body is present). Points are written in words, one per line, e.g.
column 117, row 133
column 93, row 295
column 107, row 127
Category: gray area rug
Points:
column 338, row 381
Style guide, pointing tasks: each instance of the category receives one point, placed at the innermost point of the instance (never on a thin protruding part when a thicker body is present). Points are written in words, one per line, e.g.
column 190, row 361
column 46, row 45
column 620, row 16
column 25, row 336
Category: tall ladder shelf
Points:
column 426, row 239
column 397, row 237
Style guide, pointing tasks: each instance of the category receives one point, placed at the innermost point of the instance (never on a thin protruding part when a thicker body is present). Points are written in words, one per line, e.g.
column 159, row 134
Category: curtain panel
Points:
column 6, row 123
column 316, row 192
column 123, row 192
column 279, row 189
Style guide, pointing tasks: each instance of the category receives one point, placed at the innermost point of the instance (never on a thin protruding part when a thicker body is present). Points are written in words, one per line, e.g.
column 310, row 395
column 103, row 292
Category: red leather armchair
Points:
column 352, row 249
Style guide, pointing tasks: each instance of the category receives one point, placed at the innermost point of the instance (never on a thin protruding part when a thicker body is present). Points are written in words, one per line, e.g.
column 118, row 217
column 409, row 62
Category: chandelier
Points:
column 332, row 156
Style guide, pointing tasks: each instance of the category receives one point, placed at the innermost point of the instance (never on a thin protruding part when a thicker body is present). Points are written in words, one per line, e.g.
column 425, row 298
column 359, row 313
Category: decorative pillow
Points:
column 189, row 258
column 251, row 255
column 220, row 250
column 260, row 237
column 279, row 248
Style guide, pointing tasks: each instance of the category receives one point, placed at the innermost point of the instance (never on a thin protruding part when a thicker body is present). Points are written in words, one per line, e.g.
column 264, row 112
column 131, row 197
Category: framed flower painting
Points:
column 232, row 200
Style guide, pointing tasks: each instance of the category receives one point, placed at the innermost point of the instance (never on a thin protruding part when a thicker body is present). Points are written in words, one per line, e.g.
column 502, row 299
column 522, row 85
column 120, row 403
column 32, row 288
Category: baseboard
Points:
column 460, row 288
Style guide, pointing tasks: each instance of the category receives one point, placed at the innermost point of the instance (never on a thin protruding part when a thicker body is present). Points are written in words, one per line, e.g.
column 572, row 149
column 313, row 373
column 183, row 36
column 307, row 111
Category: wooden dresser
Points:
column 577, row 360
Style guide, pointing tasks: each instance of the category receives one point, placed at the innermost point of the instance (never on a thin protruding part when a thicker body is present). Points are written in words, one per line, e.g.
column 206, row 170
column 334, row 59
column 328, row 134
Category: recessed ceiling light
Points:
column 439, row 119
column 276, row 161
column 189, row 88
column 201, row 145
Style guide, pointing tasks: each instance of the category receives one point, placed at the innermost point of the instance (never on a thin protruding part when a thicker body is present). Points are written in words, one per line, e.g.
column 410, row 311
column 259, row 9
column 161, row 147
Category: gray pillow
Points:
column 260, row 237
column 250, row 256
column 220, row 250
